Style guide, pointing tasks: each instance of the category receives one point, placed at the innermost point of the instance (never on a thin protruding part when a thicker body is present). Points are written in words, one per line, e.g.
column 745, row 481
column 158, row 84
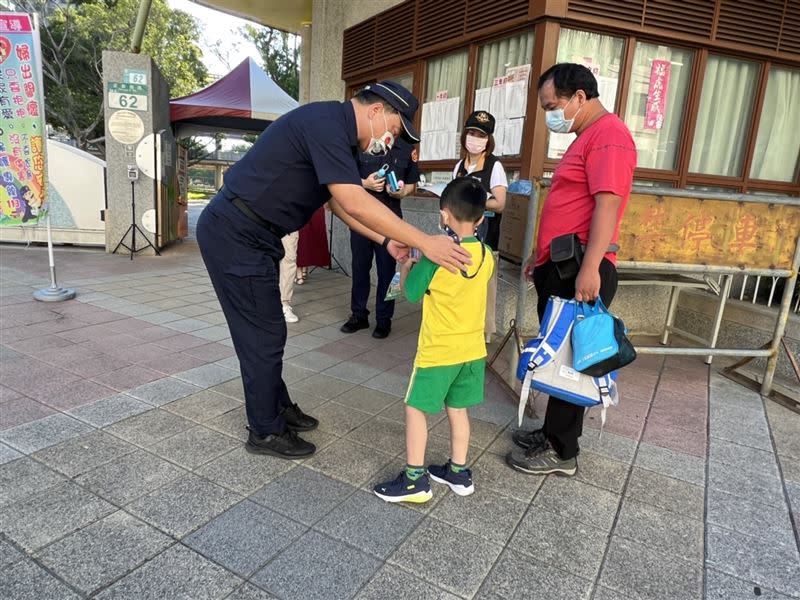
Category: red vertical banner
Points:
column 656, row 108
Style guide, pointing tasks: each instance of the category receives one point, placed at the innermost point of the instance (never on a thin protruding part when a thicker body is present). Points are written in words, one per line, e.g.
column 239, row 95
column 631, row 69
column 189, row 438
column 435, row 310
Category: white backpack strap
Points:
column 523, row 396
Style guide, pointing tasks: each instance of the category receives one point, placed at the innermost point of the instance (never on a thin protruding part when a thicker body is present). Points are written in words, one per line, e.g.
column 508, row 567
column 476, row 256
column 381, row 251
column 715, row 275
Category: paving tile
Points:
column 640, row 572
column 720, row 586
column 303, row 495
column 245, row 537
column 750, row 432
column 25, row 580
column 45, row 432
column 292, row 374
column 758, row 487
column 206, row 376
column 233, row 388
column 20, row 410
column 110, row 410
column 391, row 583
column 202, row 406
column 105, row 550
column 664, row 531
column 128, row 377
column 98, row 365
column 447, row 556
column 579, row 501
column 78, row 455
column 353, row 371
column 182, row 341
column 561, row 542
column 749, row 517
column 680, row 440
column 667, row 493
column 602, row 471
column 150, row 427
column 492, row 472
column 608, row 444
column 162, row 391
column 516, row 576
column 742, row 457
column 129, row 477
column 194, row 447
column 250, row 592
column 604, row 593
column 382, row 434
column 764, row 562
column 73, row 394
column 314, row 360
column 243, row 472
column 8, row 553
column 349, row 462
column 177, row 363
column 178, row 574
column 339, row 419
column 483, row 513
column 310, row 569
column 232, row 423
column 481, row 433
column 678, row 465
column 50, row 514
column 366, row 399
column 24, row 477
column 370, row 524
column 322, row 386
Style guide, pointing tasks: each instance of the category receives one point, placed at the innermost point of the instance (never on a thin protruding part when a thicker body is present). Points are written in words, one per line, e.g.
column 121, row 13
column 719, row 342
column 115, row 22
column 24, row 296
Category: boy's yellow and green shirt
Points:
column 453, row 308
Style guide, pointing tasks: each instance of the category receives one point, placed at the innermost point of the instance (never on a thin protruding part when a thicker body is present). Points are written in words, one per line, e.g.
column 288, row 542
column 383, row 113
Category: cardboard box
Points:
column 512, row 228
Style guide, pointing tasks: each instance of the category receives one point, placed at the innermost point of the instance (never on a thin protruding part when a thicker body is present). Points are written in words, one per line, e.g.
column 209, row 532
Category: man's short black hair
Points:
column 568, row 78
column 465, row 198
column 367, row 97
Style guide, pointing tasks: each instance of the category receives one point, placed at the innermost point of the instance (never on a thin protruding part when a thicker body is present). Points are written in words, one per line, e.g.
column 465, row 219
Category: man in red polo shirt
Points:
column 590, row 190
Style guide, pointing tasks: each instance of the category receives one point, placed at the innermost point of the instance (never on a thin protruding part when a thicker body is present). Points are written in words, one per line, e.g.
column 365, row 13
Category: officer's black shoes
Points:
column 283, row 445
column 382, row 332
column 297, row 420
column 355, row 324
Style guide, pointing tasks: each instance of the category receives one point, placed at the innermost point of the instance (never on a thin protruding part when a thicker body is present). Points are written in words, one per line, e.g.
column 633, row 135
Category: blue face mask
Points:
column 555, row 119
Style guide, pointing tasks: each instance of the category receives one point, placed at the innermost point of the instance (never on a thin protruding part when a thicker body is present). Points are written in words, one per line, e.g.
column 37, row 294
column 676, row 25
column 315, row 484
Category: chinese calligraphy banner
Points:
column 22, row 127
column 656, row 108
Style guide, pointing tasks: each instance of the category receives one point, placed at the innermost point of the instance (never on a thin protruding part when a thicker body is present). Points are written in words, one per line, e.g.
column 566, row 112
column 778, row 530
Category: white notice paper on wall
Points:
column 499, row 138
column 516, row 99
column 497, row 102
column 513, row 136
column 450, row 114
column 482, row 98
column 607, row 88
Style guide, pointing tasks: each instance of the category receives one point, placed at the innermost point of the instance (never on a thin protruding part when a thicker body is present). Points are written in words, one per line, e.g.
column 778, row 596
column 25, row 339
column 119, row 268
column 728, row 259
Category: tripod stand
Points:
column 134, row 227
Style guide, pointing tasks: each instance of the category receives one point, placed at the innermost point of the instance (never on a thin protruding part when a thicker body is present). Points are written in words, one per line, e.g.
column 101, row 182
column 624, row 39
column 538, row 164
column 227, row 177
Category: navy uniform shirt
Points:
column 399, row 160
column 284, row 176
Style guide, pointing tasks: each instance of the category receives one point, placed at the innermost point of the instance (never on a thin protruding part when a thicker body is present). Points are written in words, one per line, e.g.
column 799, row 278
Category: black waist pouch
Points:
column 566, row 252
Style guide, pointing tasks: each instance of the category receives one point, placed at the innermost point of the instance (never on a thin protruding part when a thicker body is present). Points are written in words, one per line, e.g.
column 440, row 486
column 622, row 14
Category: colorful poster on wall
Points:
column 656, row 107
column 22, row 127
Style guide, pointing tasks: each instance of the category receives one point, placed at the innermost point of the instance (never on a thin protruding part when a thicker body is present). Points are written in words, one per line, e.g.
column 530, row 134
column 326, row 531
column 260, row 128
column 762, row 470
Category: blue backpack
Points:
column 599, row 343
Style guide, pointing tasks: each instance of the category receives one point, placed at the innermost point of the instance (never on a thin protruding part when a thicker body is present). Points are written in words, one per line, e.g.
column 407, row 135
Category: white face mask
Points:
column 556, row 122
column 475, row 145
column 383, row 144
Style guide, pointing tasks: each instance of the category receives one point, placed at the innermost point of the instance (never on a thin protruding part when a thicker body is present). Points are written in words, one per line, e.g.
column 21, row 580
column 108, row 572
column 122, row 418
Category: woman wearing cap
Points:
column 477, row 144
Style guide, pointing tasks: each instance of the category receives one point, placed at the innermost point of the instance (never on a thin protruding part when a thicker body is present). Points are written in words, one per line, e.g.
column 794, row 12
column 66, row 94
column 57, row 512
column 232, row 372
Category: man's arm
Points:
column 604, row 220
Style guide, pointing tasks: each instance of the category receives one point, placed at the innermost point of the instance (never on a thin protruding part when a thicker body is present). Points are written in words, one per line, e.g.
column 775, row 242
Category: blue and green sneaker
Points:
column 403, row 489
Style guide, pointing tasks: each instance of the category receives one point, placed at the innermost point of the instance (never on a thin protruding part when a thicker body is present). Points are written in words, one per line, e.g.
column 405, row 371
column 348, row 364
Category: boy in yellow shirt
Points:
column 451, row 356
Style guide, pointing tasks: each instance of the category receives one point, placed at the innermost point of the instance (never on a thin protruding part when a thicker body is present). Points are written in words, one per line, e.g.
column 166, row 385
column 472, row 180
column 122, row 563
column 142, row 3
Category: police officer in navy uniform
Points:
column 401, row 162
column 301, row 161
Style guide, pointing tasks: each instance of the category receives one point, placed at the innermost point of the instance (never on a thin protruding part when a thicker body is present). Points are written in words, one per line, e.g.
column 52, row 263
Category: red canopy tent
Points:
column 246, row 99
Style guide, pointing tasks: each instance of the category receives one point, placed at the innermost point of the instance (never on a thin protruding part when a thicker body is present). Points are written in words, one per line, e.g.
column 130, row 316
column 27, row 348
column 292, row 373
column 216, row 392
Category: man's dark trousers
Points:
column 362, row 250
column 242, row 260
column 563, row 421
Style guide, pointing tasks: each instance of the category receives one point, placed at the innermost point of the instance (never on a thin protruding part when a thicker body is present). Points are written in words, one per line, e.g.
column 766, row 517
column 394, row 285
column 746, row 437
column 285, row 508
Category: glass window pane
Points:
column 656, row 102
column 406, row 80
column 504, row 68
column 723, row 120
column 777, row 153
column 443, row 108
column 600, row 53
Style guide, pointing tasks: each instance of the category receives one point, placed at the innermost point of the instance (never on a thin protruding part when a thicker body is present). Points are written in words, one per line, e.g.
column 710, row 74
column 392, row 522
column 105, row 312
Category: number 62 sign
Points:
column 127, row 95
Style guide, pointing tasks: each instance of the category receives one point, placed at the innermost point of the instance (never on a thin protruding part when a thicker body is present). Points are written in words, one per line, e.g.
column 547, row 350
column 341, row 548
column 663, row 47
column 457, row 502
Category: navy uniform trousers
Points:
column 242, row 260
column 362, row 250
column 563, row 421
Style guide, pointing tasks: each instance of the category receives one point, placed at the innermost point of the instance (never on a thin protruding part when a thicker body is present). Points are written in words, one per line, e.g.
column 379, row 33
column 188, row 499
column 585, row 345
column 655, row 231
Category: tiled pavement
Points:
column 122, row 471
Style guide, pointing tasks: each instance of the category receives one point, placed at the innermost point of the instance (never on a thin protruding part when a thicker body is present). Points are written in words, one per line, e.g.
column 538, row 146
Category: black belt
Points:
column 250, row 214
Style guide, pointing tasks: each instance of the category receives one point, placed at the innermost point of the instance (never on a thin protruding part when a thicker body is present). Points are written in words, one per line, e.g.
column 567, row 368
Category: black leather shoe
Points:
column 283, row 445
column 355, row 324
column 297, row 420
column 382, row 332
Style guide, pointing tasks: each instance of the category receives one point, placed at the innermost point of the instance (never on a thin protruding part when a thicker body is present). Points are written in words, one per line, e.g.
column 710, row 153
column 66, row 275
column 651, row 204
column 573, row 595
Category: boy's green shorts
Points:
column 456, row 386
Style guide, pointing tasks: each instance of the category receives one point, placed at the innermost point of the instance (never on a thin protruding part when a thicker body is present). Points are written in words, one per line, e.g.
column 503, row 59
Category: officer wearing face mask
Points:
column 590, row 190
column 301, row 161
column 477, row 160
column 388, row 172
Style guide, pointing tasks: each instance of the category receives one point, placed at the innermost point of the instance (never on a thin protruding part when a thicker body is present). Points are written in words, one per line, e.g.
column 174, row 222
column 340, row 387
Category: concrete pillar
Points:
column 306, row 42
column 217, row 176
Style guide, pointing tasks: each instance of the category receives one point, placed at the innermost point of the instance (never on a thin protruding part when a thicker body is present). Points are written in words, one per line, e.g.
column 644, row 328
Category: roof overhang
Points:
column 281, row 14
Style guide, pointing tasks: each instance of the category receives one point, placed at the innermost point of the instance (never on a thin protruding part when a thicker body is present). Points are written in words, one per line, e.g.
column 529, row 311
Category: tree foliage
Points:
column 280, row 53
column 74, row 35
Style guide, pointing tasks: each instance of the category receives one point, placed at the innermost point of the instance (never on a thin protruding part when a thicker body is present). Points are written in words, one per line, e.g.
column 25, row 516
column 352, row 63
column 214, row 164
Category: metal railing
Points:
column 762, row 291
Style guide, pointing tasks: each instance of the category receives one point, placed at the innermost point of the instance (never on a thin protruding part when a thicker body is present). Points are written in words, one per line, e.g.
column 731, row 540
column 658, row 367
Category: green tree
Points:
column 74, row 35
column 280, row 52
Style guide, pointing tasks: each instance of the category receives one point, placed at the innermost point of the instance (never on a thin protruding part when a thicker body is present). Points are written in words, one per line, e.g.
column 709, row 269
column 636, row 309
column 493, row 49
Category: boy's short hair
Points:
column 465, row 198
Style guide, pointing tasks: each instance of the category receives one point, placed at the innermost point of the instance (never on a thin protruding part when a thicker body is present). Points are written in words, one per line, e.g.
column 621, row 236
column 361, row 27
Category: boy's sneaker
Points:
column 288, row 314
column 460, row 483
column 541, row 461
column 403, row 489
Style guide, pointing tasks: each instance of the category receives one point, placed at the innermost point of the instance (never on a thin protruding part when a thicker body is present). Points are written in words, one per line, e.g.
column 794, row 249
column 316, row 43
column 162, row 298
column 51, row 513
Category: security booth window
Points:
column 443, row 108
column 724, row 116
column 602, row 54
column 503, row 77
column 777, row 153
column 657, row 101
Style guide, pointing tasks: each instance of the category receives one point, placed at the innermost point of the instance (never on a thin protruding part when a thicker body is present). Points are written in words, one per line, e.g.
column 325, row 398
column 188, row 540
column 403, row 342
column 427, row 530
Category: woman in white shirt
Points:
column 477, row 160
